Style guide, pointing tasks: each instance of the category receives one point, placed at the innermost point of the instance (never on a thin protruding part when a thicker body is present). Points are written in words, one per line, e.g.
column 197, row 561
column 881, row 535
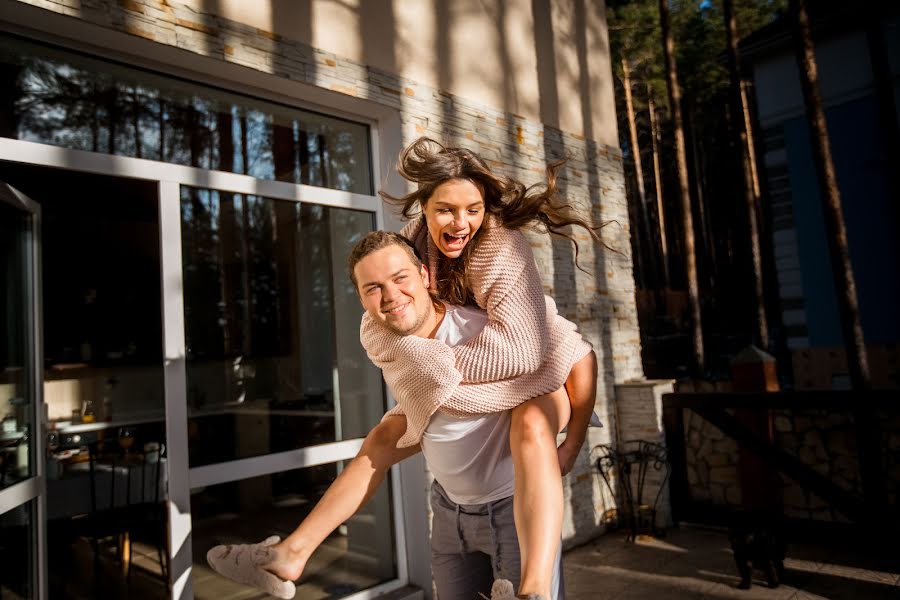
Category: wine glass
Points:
column 126, row 438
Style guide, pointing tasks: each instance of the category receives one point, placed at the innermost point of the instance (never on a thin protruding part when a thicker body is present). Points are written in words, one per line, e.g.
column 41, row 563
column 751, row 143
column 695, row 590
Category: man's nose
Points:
column 388, row 292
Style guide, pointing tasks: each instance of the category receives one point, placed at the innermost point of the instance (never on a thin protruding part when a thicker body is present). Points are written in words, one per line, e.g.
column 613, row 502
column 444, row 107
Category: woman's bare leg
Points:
column 538, row 496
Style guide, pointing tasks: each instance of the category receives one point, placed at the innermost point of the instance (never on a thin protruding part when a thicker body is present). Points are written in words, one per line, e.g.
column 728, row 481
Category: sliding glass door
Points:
column 21, row 448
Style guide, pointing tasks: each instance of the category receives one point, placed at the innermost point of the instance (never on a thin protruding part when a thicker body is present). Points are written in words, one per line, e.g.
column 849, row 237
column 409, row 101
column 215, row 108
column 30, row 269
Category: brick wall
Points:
column 600, row 300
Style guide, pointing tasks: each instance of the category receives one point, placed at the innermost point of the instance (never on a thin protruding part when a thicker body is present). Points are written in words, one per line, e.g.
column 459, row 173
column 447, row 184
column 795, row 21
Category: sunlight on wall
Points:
column 487, row 53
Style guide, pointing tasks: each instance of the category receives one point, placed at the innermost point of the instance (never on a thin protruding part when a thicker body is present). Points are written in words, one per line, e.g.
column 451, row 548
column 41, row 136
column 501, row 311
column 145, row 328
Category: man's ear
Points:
column 426, row 278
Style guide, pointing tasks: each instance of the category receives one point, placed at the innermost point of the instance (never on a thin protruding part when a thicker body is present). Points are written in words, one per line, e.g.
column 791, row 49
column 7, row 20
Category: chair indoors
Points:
column 127, row 504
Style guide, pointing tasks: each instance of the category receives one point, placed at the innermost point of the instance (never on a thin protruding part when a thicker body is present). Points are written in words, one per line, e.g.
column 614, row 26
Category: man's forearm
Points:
column 354, row 487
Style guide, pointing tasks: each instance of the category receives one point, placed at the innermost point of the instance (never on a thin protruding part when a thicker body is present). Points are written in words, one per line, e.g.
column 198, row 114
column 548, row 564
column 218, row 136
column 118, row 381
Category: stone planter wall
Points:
column 639, row 417
column 823, row 439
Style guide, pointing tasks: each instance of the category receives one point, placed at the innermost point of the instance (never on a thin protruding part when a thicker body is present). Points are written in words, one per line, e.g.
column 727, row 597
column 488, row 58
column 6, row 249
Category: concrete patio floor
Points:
column 697, row 563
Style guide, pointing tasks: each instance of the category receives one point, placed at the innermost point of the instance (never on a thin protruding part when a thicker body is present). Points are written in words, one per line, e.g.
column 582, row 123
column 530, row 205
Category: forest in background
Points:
column 715, row 162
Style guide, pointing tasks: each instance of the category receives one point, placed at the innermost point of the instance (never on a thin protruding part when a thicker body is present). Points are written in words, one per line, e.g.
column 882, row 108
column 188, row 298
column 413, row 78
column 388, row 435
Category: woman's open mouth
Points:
column 455, row 242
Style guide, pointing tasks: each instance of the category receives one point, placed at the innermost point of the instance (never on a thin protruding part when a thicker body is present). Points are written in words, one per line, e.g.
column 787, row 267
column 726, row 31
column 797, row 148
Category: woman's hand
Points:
column 567, row 453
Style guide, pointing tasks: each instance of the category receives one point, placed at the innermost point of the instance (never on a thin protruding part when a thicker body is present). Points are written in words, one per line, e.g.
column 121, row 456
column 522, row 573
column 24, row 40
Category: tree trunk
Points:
column 690, row 257
column 738, row 121
column 868, row 434
column 638, row 173
column 845, row 283
column 229, row 275
column 657, row 180
column 162, row 130
column 136, row 109
column 9, row 117
column 707, row 240
column 95, row 118
column 751, row 145
column 113, row 112
column 284, row 157
column 247, row 337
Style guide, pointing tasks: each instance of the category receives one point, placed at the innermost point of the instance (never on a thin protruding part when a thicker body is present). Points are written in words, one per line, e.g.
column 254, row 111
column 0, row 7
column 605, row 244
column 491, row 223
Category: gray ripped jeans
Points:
column 473, row 544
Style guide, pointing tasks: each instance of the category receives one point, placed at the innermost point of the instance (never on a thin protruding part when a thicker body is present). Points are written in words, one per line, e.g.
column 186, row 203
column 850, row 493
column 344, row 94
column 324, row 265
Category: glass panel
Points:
column 356, row 556
column 17, row 552
column 69, row 100
column 103, row 381
column 16, row 350
column 268, row 311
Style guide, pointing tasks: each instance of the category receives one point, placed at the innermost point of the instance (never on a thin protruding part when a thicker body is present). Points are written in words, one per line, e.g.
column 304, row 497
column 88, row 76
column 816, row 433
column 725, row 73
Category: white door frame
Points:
column 34, row 488
column 181, row 478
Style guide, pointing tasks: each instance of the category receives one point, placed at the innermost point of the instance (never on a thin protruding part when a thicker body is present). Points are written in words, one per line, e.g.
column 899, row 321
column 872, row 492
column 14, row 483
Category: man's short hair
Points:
column 377, row 240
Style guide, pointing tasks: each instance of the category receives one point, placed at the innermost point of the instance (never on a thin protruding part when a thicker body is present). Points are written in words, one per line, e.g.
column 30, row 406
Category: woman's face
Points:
column 454, row 213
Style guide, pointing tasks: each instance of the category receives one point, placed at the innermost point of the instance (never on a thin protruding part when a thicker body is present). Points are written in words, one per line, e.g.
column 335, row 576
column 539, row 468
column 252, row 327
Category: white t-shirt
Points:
column 469, row 456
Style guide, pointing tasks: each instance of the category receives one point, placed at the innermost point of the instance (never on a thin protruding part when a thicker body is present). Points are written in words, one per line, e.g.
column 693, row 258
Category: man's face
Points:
column 394, row 291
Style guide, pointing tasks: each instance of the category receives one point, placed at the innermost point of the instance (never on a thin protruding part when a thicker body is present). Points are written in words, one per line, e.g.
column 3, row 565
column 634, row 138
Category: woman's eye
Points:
column 444, row 211
column 474, row 211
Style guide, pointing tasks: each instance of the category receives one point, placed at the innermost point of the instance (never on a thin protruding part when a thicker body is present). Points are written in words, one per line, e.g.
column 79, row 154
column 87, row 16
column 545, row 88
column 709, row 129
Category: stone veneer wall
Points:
column 712, row 460
column 822, row 439
column 600, row 301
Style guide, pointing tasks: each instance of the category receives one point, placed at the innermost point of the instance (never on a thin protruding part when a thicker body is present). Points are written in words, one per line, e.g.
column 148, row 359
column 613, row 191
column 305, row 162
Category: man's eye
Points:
column 371, row 290
column 401, row 278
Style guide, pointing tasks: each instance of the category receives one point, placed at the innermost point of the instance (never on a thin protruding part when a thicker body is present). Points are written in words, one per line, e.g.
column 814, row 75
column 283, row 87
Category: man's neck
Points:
column 433, row 322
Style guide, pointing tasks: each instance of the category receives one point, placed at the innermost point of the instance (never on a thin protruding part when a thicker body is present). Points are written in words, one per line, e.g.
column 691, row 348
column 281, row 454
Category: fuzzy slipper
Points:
column 503, row 590
column 243, row 563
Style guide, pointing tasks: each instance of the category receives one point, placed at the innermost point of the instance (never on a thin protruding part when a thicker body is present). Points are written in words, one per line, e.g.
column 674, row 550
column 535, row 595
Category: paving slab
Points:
column 691, row 562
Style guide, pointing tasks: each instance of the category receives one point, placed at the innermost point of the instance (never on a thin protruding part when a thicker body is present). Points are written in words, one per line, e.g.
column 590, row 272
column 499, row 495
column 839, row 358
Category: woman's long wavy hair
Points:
column 428, row 164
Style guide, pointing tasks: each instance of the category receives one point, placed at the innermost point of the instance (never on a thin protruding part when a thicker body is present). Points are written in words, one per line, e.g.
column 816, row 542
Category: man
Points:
column 474, row 538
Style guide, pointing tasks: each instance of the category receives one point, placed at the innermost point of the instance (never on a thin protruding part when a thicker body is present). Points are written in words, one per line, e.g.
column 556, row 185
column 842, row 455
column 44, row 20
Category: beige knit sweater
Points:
column 525, row 350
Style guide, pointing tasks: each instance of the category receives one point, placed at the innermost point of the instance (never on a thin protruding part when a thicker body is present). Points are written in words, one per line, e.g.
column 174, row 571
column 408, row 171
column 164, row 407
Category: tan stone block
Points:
column 195, row 26
column 134, row 30
column 723, row 475
column 131, row 5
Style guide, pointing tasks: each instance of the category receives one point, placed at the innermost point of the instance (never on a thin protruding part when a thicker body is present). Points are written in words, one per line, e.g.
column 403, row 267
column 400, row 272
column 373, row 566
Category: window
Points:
column 73, row 101
column 271, row 324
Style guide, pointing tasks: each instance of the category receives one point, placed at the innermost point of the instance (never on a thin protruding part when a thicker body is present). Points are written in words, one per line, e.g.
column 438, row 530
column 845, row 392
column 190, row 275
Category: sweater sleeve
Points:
column 409, row 361
column 505, row 282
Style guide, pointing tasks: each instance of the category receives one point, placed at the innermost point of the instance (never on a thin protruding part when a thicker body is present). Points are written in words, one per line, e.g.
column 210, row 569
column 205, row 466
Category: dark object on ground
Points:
column 758, row 542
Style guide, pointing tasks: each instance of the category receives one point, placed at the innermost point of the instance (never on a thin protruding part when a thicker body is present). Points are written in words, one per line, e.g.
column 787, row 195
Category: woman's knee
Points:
column 536, row 421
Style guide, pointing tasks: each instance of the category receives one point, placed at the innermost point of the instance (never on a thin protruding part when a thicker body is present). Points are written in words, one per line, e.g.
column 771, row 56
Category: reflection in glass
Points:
column 105, row 507
column 358, row 555
column 16, row 360
column 271, row 322
column 68, row 100
column 17, row 552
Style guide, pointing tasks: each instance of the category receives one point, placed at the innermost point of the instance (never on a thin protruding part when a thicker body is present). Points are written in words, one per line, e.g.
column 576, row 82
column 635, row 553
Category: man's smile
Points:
column 395, row 309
